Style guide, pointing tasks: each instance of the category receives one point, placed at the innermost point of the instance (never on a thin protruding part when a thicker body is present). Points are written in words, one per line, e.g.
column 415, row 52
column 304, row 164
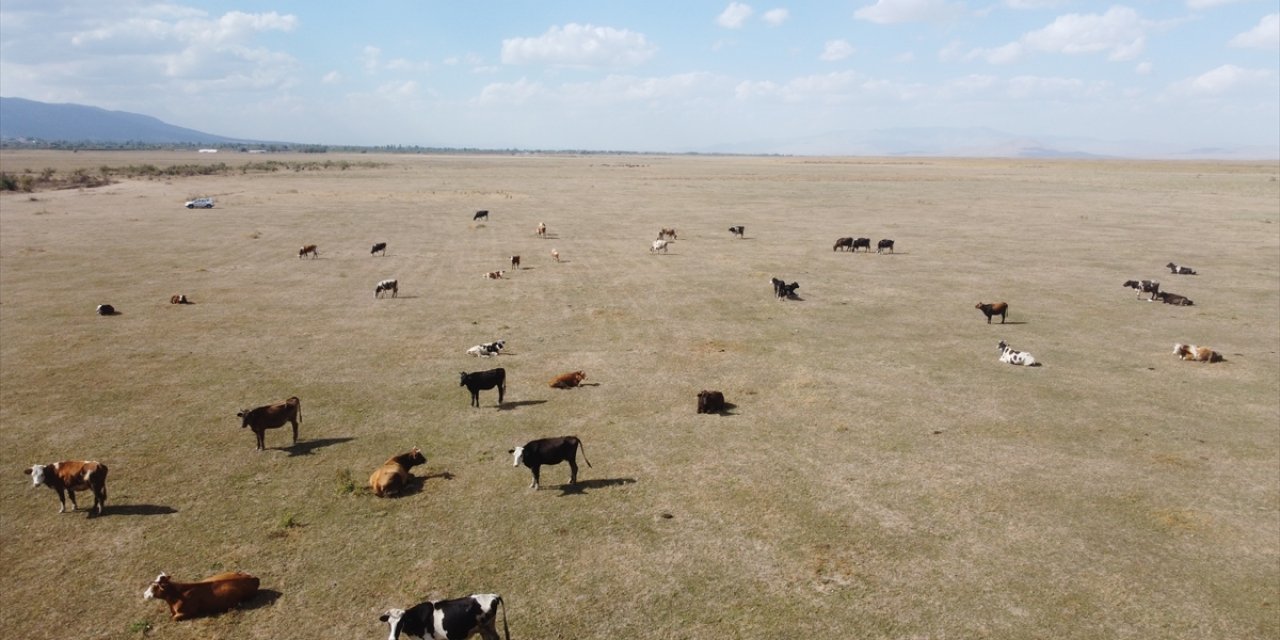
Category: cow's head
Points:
column 37, row 474
column 244, row 417
column 516, row 454
column 416, row 457
column 1002, row 346
column 464, row 379
column 159, row 587
column 392, row 618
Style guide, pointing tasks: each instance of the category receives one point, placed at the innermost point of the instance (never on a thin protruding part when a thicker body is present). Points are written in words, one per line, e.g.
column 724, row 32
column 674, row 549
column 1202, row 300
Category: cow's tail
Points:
column 584, row 452
column 505, row 630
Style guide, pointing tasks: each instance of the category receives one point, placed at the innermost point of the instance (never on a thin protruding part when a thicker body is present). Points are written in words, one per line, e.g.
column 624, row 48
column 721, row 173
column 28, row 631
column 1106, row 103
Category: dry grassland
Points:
column 881, row 476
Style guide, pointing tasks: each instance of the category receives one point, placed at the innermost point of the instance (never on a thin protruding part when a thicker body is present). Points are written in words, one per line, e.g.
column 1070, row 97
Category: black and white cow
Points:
column 1009, row 355
column 456, row 619
column 106, row 310
column 738, row 230
column 1143, row 286
column 482, row 214
column 387, row 285
column 865, row 243
column 782, row 289
column 488, row 349
column 536, row 453
column 478, row 381
column 1180, row 270
column 379, row 246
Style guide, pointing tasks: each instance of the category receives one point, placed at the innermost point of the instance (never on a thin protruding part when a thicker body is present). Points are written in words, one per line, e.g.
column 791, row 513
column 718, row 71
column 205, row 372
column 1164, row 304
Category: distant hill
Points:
column 29, row 119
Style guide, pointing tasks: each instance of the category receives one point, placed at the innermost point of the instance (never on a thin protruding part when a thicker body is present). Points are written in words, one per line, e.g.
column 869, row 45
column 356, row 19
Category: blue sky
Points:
column 662, row 75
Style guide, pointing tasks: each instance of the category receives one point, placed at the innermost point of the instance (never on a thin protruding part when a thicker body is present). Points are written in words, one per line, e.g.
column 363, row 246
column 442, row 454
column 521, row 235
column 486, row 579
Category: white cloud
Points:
column 1120, row 32
column 1033, row 4
column 333, row 77
column 1225, row 79
column 370, row 58
column 900, row 11
column 836, row 50
column 734, row 16
column 510, row 93
column 580, row 45
column 1266, row 35
column 829, row 87
column 1208, row 4
column 1143, row 68
column 775, row 17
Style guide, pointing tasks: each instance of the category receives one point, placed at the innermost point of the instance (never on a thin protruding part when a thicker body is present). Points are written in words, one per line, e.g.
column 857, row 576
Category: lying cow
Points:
column 884, row 244
column 1177, row 270
column 710, row 401
column 389, row 285
column 106, row 310
column 843, row 243
column 568, row 380
column 455, row 619
column 178, row 298
column 738, row 231
column 394, row 474
column 549, row 451
column 379, row 247
column 992, row 309
column 1009, row 355
column 1196, row 354
column 865, row 243
column 659, row 245
column 494, row 275
column 308, row 250
column 482, row 214
column 68, row 477
column 272, row 416
column 1174, row 299
column 1143, row 286
column 488, row 349
column 783, row 290
column 214, row 594
column 478, row 381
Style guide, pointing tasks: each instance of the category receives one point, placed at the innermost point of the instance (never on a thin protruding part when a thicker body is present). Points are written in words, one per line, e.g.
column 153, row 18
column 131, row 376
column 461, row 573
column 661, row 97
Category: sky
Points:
column 657, row 75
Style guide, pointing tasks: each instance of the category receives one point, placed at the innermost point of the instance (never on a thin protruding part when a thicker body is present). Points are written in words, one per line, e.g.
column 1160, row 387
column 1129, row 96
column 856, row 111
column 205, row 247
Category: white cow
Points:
column 659, row 245
column 1011, row 356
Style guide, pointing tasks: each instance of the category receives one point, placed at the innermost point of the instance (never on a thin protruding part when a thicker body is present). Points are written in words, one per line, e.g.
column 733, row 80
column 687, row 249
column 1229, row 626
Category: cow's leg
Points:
column 475, row 397
column 294, row 422
column 100, row 499
column 502, row 391
column 261, row 436
column 62, row 500
column 1002, row 318
column 487, row 632
column 573, row 469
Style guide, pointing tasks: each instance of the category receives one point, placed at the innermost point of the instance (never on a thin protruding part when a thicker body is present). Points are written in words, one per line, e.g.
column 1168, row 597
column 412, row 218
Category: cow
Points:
column 884, row 244
column 1174, row 299
column 68, row 477
column 488, row 349
column 783, row 290
column 308, row 249
column 1196, row 354
column 178, row 298
column 455, row 619
column 541, row 231
column 378, row 247
column 214, row 594
column 394, row 474
column 1143, row 286
column 478, row 381
column 843, row 243
column 272, row 416
column 710, row 401
column 384, row 286
column 568, row 380
column 515, row 262
column 993, row 308
column 1177, row 270
column 482, row 214
column 1012, row 356
column 865, row 243
column 106, row 310
column 668, row 234
column 549, row 451
column 659, row 245
column 555, row 255
column 738, row 231
column 494, row 275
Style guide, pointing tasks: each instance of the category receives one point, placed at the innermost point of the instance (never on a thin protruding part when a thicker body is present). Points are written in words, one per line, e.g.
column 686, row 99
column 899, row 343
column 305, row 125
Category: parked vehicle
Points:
column 200, row 203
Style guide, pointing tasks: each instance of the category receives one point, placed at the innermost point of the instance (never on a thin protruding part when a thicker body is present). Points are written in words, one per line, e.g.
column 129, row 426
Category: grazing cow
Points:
column 106, row 310
column 555, row 255
column 272, row 416
column 738, row 231
column 214, row 594
column 178, row 298
column 710, row 401
column 659, row 245
column 541, row 231
column 308, row 249
column 1011, row 356
column 568, row 380
column 1196, row 354
column 1177, row 270
column 456, row 619
column 549, row 451
column 782, row 289
column 1174, row 299
column 68, row 477
column 383, row 287
column 1143, row 286
column 669, row 234
column 884, row 244
column 379, row 247
column 494, row 275
column 865, row 243
column 478, row 381
column 993, row 308
column 843, row 243
column 394, row 474
column 488, row 349
column 515, row 262
column 482, row 214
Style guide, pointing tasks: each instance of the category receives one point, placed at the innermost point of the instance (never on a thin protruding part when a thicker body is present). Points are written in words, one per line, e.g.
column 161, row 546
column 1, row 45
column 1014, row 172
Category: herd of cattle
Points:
column 476, row 614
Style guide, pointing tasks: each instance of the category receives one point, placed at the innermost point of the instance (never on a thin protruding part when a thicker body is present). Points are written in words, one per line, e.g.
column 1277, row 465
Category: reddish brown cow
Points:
column 394, row 474
column 993, row 309
column 214, row 594
column 272, row 416
column 70, row 476
column 568, row 380
column 308, row 249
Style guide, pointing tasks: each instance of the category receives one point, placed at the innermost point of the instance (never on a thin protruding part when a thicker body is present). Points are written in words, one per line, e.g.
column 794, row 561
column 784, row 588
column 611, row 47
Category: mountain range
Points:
column 22, row 119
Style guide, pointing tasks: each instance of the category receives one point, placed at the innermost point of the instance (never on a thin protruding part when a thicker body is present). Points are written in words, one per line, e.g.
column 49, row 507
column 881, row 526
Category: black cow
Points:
column 865, row 243
column 455, row 619
column 106, row 310
column 782, row 289
column 1174, row 299
column 272, row 416
column 379, row 246
column 484, row 380
column 536, row 453
column 738, row 230
column 1143, row 286
column 884, row 244
column 843, row 243
column 482, row 214
column 710, row 401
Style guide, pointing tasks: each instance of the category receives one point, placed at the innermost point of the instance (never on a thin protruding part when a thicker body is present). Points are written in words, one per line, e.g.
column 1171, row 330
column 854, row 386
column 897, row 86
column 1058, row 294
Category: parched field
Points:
column 881, row 475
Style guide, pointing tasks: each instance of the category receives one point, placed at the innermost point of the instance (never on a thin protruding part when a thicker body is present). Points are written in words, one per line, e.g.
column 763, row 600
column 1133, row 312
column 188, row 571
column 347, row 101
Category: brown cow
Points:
column 70, row 476
column 568, row 380
column 178, row 298
column 993, row 309
column 308, row 249
column 214, row 594
column 1196, row 354
column 272, row 416
column 394, row 474
column 542, row 230
column 710, row 401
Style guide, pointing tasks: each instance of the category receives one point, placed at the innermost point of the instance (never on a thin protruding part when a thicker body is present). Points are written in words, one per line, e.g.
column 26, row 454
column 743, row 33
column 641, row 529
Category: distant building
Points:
column 208, row 151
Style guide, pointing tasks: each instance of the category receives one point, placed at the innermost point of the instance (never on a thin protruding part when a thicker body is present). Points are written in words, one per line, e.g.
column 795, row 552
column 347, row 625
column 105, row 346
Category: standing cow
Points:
column 272, row 416
column 710, row 401
column 68, row 477
column 478, row 381
column 379, row 247
column 884, row 244
column 989, row 309
column 536, row 453
column 843, row 243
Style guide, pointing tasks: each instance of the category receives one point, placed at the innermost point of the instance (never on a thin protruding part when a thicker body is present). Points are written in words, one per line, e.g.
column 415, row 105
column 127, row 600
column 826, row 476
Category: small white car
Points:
column 200, row 203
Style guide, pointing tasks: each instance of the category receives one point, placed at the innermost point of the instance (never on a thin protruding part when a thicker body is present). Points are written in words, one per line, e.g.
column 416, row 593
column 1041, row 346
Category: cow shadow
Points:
column 508, row 406
column 728, row 410
column 583, row 485
column 795, row 298
column 1014, row 322
column 307, row 447
column 264, row 598
column 405, row 298
column 138, row 510
column 416, row 484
